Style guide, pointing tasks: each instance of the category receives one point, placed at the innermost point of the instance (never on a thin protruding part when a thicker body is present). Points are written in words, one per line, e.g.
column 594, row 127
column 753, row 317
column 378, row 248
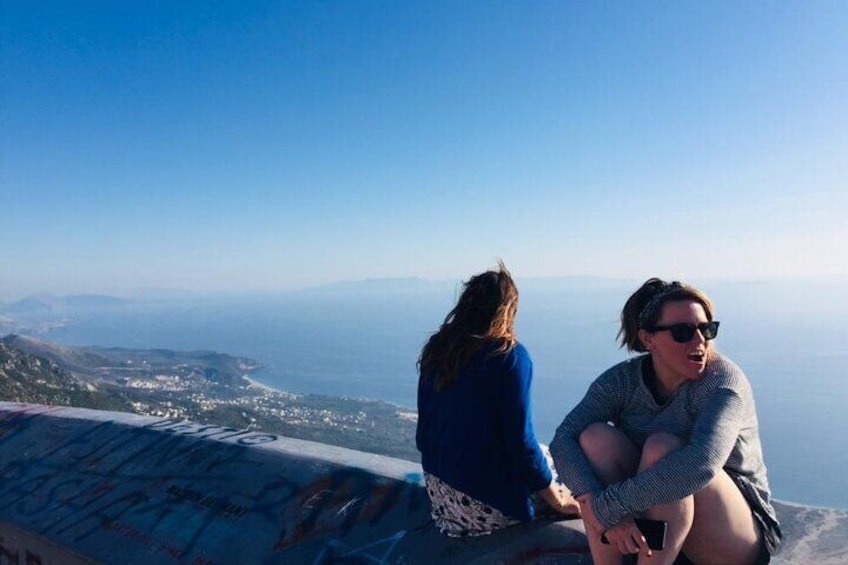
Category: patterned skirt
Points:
column 458, row 515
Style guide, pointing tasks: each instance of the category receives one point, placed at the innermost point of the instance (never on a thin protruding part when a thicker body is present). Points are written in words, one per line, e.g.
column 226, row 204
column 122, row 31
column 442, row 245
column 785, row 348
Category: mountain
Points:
column 30, row 307
column 99, row 364
column 39, row 306
column 380, row 287
column 27, row 378
column 42, row 313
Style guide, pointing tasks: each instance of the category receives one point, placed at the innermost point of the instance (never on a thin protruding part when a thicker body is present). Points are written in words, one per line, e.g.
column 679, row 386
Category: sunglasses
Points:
column 683, row 333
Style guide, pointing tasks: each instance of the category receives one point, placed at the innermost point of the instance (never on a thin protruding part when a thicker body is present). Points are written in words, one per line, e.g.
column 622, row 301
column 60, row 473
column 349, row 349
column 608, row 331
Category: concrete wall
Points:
column 82, row 486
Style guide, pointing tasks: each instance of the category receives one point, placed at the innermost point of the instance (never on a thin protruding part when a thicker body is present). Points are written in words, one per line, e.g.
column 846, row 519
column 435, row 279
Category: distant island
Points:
column 201, row 386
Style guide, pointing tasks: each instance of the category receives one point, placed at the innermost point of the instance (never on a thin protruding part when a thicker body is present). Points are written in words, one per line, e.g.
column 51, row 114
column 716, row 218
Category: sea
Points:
column 362, row 339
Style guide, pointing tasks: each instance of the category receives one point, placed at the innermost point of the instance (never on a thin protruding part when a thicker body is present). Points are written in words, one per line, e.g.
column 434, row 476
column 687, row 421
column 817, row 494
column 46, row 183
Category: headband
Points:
column 656, row 302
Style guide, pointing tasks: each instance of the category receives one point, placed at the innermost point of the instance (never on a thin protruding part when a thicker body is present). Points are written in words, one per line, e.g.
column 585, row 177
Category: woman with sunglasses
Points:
column 480, row 456
column 670, row 435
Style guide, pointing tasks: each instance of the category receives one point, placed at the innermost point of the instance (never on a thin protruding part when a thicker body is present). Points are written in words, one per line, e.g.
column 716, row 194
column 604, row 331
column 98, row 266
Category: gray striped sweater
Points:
column 715, row 415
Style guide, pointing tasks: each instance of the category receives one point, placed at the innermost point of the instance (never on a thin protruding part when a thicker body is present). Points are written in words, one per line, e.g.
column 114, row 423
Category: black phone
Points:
column 653, row 530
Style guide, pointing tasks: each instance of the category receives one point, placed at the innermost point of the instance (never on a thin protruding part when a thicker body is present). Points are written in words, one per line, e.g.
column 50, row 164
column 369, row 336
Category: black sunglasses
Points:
column 683, row 333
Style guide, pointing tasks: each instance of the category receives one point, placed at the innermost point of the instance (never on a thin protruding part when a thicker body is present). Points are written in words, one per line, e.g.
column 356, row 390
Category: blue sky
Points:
column 275, row 145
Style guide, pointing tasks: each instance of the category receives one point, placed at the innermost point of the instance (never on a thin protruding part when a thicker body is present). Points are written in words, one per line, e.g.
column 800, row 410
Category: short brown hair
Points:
column 642, row 310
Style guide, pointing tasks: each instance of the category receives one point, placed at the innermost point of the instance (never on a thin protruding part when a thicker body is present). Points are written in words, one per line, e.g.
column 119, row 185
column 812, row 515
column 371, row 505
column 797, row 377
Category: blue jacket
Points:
column 477, row 435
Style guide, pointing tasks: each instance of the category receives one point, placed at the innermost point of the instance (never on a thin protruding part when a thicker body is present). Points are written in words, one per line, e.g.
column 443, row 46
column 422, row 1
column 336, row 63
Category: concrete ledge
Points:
column 82, row 486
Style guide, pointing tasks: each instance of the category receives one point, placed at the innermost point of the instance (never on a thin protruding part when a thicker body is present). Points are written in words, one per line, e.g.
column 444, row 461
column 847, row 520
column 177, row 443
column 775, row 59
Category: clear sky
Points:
column 274, row 145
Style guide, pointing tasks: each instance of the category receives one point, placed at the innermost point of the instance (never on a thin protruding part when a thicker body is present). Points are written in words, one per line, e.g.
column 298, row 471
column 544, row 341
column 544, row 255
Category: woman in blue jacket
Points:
column 481, row 460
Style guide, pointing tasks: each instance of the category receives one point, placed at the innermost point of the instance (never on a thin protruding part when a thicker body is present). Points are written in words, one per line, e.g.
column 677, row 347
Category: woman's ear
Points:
column 646, row 338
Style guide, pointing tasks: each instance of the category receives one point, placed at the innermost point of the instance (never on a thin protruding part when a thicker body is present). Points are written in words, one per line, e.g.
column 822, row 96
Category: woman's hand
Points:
column 625, row 535
column 559, row 499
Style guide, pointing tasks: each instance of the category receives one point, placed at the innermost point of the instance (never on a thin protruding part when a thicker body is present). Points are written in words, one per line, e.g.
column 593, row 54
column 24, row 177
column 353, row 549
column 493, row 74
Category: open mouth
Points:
column 697, row 356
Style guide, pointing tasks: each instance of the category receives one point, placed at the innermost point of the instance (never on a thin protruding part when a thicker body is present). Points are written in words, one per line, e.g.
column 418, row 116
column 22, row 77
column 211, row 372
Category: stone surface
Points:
column 119, row 488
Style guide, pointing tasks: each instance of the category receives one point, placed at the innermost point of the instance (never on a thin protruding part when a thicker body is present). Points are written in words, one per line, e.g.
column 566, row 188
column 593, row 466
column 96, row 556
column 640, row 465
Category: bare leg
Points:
column 679, row 514
column 724, row 530
column 715, row 525
column 613, row 458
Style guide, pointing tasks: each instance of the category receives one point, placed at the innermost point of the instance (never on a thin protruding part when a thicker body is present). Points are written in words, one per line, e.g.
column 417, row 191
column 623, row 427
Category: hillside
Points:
column 201, row 386
column 28, row 378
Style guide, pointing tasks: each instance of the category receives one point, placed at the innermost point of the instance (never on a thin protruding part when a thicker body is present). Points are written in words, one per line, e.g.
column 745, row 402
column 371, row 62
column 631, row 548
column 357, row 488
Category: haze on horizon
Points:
column 276, row 145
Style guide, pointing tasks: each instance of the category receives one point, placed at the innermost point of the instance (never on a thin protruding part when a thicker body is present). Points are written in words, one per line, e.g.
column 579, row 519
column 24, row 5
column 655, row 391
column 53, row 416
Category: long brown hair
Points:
column 484, row 313
column 642, row 310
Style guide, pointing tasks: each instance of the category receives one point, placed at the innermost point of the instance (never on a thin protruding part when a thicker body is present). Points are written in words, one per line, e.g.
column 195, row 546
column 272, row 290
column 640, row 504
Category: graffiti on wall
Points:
column 339, row 501
column 135, row 481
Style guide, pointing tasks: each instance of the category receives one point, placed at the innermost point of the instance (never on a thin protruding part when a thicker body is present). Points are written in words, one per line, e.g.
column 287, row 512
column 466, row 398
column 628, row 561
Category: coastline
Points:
column 252, row 382
column 256, row 384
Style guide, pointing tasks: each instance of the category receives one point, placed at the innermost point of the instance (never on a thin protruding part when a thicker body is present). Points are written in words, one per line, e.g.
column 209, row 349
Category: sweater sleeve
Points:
column 682, row 472
column 517, row 426
column 600, row 404
column 420, row 425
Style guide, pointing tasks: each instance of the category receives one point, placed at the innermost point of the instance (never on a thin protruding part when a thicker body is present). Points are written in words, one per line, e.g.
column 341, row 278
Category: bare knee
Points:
column 657, row 446
column 611, row 454
column 596, row 439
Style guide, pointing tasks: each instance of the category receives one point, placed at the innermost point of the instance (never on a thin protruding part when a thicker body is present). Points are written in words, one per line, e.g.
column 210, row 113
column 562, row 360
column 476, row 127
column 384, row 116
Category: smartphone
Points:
column 653, row 530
